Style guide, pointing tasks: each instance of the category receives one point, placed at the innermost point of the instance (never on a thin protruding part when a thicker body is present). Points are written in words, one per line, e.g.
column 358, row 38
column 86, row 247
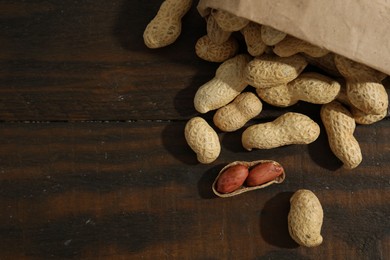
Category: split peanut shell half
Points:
column 245, row 188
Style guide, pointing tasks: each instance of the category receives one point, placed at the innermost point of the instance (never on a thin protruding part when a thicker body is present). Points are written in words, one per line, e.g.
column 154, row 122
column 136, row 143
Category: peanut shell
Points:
column 229, row 22
column 202, row 139
column 311, row 87
column 252, row 36
column 244, row 188
column 269, row 70
column 367, row 119
column 305, row 218
column 271, row 36
column 165, row 27
column 210, row 51
column 359, row 116
column 369, row 97
column 227, row 84
column 325, row 63
column 289, row 128
column 215, row 32
column 355, row 71
column 340, row 125
column 236, row 114
column 290, row 46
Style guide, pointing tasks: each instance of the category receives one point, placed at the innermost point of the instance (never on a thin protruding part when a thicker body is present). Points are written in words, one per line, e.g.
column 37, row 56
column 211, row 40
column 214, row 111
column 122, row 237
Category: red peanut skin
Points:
column 232, row 179
column 263, row 173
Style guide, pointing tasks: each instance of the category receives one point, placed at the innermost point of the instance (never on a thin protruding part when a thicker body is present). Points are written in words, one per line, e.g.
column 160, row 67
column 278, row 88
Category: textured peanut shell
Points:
column 244, row 188
column 165, row 27
column 210, row 51
column 279, row 95
column 325, row 63
column 340, row 125
column 289, row 128
column 229, row 22
column 269, row 70
column 290, row 46
column 369, row 97
column 227, row 84
column 367, row 119
column 359, row 116
column 252, row 36
column 310, row 87
column 202, row 139
column 271, row 36
column 236, row 114
column 215, row 32
column 355, row 71
column 305, row 218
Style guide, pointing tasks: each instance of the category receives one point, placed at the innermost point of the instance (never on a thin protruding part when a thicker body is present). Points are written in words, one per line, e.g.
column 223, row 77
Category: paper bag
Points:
column 357, row 29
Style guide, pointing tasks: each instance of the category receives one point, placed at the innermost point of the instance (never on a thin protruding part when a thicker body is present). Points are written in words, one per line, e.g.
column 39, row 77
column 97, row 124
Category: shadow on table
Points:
column 131, row 23
column 132, row 20
column 321, row 153
column 274, row 223
column 206, row 181
column 175, row 143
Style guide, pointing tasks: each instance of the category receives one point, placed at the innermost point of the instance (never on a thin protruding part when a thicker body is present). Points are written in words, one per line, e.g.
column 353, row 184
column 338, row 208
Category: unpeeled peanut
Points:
column 360, row 116
column 290, row 46
column 229, row 22
column 369, row 97
column 271, row 36
column 215, row 32
column 290, row 128
column 367, row 119
column 355, row 71
column 228, row 83
column 269, row 70
column 305, row 218
column 340, row 125
column 165, row 27
column 236, row 114
column 252, row 36
column 364, row 88
column 210, row 51
column 202, row 139
column 232, row 179
column 310, row 87
column 325, row 63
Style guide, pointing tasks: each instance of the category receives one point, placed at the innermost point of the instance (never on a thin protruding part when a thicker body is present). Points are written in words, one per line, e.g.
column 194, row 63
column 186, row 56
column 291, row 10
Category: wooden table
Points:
column 94, row 164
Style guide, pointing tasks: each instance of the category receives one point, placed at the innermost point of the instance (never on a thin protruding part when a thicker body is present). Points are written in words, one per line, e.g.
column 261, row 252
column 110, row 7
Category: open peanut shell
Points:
column 244, row 188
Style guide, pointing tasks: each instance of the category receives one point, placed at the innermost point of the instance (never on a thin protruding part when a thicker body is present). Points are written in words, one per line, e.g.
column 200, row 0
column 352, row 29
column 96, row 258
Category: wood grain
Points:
column 87, row 61
column 135, row 190
column 94, row 164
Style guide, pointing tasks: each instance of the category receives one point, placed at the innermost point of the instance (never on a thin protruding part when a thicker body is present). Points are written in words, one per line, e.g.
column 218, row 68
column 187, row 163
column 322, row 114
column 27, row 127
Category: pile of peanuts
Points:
column 273, row 65
column 350, row 93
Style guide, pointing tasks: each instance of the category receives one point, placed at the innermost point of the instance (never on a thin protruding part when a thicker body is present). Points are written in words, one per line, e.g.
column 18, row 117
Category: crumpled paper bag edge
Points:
column 368, row 55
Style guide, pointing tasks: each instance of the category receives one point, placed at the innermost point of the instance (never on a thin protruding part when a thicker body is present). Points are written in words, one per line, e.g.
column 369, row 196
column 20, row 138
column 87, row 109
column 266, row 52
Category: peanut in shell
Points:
column 340, row 126
column 202, row 139
column 289, row 128
column 228, row 83
column 310, row 87
column 236, row 114
column 305, row 218
column 207, row 50
column 270, row 70
column 290, row 46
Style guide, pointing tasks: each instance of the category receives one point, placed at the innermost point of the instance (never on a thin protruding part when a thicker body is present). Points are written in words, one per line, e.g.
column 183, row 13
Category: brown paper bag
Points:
column 357, row 29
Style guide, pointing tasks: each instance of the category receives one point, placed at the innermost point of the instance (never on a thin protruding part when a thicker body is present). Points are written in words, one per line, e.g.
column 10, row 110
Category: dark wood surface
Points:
column 93, row 161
